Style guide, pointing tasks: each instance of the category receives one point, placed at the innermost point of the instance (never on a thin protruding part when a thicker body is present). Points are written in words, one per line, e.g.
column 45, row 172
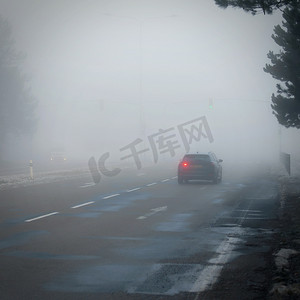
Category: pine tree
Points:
column 285, row 67
column 255, row 6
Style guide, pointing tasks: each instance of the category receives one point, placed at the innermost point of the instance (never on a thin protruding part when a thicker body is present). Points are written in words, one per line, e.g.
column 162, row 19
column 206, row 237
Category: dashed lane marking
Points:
column 152, row 212
column 111, row 196
column 132, row 190
column 41, row 217
column 88, row 184
column 83, row 204
column 250, row 210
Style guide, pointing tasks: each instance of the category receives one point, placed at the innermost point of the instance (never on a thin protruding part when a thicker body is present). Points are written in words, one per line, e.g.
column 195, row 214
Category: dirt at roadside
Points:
column 270, row 269
column 286, row 276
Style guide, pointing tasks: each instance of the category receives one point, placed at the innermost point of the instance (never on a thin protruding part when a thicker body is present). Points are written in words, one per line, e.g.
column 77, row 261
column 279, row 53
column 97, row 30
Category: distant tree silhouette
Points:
column 17, row 105
column 255, row 6
column 285, row 67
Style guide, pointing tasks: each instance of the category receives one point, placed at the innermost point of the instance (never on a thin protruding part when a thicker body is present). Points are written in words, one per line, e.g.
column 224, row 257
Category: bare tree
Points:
column 17, row 105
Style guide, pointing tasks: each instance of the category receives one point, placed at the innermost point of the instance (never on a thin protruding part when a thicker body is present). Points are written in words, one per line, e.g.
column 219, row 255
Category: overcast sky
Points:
column 94, row 63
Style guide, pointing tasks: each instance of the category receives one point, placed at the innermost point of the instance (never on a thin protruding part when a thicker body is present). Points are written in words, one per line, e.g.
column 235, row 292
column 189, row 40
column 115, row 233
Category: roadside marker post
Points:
column 31, row 169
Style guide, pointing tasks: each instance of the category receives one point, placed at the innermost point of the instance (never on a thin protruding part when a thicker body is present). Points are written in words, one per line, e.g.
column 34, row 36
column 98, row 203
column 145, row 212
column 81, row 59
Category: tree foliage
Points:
column 285, row 67
column 16, row 102
column 254, row 6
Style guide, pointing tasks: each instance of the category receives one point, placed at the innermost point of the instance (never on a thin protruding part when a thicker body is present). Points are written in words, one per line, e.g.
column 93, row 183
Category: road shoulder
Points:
column 269, row 264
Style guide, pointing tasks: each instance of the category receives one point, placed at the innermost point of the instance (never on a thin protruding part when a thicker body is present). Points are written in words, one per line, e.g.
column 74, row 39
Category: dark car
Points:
column 200, row 167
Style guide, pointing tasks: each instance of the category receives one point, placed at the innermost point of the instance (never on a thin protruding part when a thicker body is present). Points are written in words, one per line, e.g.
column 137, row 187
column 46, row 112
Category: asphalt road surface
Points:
column 138, row 235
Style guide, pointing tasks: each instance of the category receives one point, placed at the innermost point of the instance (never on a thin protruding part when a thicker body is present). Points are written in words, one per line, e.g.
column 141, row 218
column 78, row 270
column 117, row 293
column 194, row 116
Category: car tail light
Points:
column 185, row 164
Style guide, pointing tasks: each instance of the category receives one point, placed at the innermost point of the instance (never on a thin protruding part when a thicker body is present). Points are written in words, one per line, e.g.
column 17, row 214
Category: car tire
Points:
column 220, row 177
column 216, row 180
column 180, row 180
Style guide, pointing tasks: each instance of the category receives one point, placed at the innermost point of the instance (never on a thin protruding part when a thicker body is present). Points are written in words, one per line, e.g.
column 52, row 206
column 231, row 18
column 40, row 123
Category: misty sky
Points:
column 93, row 63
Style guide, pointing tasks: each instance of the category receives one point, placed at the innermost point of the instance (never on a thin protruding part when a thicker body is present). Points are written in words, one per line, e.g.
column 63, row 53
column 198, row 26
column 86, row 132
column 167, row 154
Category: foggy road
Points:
column 135, row 235
column 99, row 103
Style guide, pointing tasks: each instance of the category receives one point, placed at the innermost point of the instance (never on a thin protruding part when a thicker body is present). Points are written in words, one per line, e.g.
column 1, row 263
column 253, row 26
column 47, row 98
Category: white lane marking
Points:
column 246, row 218
column 88, row 184
column 132, row 190
column 152, row 212
column 83, row 204
column 40, row 217
column 250, row 210
column 210, row 273
column 162, row 208
column 141, row 174
column 111, row 196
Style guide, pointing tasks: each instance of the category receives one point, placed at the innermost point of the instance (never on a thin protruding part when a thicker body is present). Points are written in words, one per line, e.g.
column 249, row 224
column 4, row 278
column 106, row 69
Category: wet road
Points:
column 134, row 236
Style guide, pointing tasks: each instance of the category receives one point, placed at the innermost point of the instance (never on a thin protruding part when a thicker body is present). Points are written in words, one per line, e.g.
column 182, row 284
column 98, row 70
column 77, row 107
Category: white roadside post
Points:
column 31, row 169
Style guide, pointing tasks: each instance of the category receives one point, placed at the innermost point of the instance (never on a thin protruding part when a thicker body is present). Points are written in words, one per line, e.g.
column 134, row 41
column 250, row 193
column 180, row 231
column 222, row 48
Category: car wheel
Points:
column 216, row 180
column 220, row 177
column 180, row 180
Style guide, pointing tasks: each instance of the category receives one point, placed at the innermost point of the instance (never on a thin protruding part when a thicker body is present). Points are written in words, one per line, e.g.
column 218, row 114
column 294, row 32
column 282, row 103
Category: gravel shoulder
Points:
column 286, row 253
column 269, row 267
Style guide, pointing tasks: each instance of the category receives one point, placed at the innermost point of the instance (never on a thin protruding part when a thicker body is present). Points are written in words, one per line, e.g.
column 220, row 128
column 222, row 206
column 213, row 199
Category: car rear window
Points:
column 197, row 157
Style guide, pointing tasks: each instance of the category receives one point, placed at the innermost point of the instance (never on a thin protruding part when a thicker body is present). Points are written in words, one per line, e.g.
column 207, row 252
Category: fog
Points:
column 108, row 72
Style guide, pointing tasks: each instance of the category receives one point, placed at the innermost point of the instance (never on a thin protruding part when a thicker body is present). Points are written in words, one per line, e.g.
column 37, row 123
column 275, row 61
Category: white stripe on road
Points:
column 211, row 272
column 246, row 218
column 250, row 210
column 43, row 216
column 165, row 180
column 83, row 204
column 132, row 190
column 111, row 196
column 153, row 212
column 88, row 184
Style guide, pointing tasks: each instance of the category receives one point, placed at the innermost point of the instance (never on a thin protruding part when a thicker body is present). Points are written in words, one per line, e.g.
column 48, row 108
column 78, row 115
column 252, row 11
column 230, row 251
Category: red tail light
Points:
column 185, row 164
